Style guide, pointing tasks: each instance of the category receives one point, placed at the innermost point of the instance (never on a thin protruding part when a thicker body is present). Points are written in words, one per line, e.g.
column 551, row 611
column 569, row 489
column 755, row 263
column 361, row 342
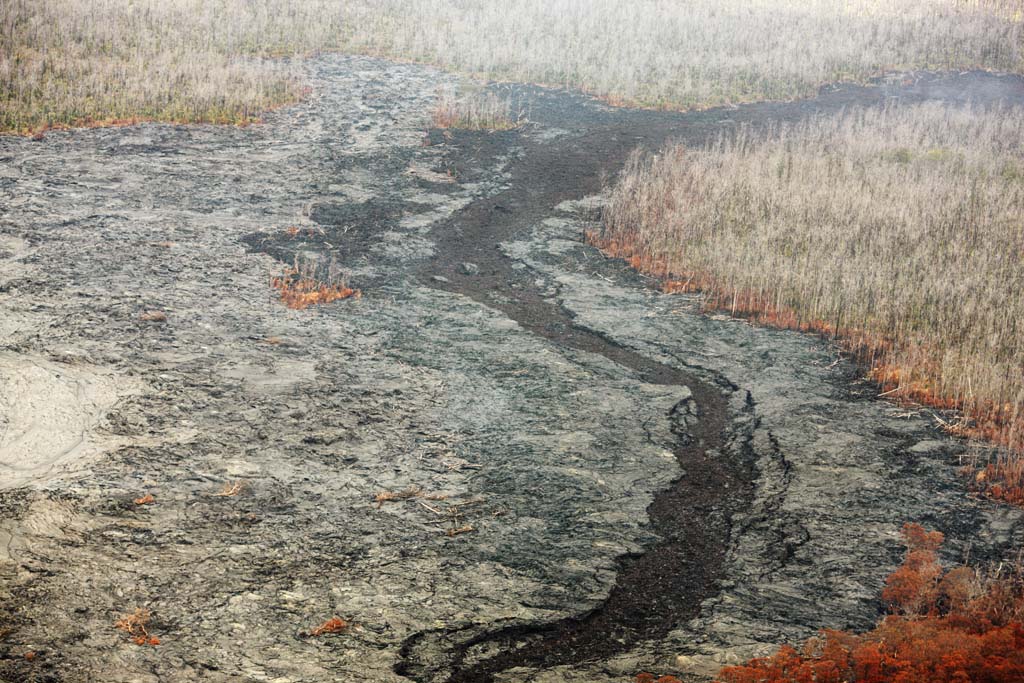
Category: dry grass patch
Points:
column 665, row 53
column 106, row 62
column 100, row 62
column 898, row 231
column 476, row 110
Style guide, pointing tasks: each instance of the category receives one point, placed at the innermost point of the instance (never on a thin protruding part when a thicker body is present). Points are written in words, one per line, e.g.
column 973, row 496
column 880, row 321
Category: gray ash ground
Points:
column 531, row 390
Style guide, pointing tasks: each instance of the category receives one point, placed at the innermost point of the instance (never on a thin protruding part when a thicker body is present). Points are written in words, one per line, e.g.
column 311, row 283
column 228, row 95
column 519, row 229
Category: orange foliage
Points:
column 145, row 500
column 300, row 288
column 1003, row 478
column 945, row 627
column 135, row 626
column 1000, row 424
column 649, row 678
column 334, row 625
column 911, row 589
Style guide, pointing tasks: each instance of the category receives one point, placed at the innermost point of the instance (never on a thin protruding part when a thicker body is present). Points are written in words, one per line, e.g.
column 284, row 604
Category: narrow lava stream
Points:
column 665, row 585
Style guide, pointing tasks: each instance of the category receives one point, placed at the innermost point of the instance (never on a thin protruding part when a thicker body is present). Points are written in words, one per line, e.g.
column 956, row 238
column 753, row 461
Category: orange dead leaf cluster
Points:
column 387, row 496
column 944, row 627
column 153, row 316
column 333, row 625
column 304, row 285
column 134, row 625
column 1003, row 478
column 294, row 231
column 301, row 293
column 145, row 500
column 649, row 678
column 230, row 489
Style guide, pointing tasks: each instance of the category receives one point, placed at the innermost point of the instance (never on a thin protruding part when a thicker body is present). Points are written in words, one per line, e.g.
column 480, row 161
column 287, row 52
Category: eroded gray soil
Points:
column 497, row 364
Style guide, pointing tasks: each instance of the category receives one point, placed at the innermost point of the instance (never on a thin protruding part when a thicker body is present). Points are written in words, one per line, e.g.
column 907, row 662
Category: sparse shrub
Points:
column 896, row 231
column 477, row 110
column 912, row 589
column 309, row 283
column 135, row 625
column 230, row 489
column 333, row 625
column 959, row 626
column 388, row 496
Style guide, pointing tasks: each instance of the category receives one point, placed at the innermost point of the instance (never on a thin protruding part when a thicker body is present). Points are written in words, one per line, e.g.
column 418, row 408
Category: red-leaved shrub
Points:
column 944, row 627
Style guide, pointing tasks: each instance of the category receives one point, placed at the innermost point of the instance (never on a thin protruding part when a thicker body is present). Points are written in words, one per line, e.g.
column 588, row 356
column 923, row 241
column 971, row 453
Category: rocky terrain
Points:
column 582, row 478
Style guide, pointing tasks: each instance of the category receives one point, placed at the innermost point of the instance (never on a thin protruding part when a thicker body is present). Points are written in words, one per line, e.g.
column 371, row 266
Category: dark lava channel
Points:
column 657, row 589
column 665, row 586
